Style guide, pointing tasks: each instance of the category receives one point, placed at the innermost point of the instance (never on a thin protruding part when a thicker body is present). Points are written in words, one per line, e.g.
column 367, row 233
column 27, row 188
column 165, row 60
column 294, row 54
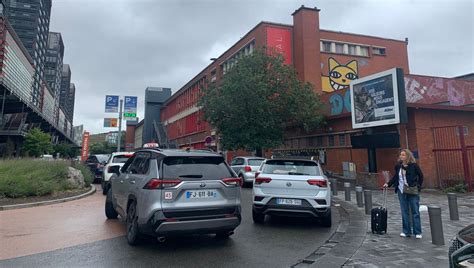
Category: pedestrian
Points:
column 407, row 181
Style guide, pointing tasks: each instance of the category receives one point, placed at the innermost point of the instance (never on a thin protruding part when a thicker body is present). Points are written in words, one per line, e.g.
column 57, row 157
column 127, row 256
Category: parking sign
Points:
column 130, row 108
column 111, row 103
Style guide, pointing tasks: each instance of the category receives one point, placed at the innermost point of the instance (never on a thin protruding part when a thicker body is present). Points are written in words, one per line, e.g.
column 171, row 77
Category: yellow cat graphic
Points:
column 339, row 75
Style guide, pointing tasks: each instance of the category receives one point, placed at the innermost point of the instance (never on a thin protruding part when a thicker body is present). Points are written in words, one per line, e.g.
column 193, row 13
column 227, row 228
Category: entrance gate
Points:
column 454, row 158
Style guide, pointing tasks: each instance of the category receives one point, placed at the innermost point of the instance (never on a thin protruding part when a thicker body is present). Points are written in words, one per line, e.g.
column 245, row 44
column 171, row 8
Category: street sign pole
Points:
column 119, row 136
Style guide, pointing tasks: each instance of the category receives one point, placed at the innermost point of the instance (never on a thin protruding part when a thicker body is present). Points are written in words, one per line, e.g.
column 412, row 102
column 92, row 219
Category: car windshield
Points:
column 255, row 162
column 102, row 157
column 291, row 167
column 190, row 168
column 121, row 158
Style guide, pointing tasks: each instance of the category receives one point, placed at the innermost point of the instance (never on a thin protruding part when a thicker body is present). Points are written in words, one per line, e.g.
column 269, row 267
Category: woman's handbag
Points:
column 411, row 190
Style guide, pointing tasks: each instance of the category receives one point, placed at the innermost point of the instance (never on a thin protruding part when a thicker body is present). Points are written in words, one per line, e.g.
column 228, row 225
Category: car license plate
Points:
column 282, row 201
column 201, row 194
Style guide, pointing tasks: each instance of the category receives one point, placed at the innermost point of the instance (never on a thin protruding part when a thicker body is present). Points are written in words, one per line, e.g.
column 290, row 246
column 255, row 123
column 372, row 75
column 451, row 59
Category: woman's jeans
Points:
column 406, row 202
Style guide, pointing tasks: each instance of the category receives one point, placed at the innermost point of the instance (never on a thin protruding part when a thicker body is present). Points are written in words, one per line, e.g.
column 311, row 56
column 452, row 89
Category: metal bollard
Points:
column 436, row 225
column 453, row 206
column 347, row 190
column 359, row 193
column 333, row 186
column 368, row 201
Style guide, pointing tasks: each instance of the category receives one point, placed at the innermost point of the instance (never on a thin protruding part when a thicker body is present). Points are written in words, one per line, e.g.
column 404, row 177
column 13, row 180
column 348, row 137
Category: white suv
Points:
column 289, row 187
column 115, row 162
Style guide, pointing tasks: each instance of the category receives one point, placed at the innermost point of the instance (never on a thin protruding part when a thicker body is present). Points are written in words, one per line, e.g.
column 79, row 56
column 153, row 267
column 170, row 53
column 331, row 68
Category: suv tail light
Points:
column 260, row 180
column 247, row 169
column 318, row 182
column 232, row 181
column 160, row 184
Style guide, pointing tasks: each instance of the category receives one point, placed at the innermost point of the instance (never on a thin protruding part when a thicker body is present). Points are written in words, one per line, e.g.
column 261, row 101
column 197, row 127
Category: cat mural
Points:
column 340, row 75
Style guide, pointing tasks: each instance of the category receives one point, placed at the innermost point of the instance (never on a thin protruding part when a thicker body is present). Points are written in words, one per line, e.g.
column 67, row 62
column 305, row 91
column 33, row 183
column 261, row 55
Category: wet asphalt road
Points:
column 280, row 242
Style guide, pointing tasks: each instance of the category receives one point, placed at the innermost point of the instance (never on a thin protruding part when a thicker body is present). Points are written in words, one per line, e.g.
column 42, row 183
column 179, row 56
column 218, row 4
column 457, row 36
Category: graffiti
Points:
column 340, row 104
column 339, row 75
column 435, row 90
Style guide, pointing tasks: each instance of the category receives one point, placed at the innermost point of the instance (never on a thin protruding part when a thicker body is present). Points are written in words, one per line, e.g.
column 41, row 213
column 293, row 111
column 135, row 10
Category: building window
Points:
column 465, row 131
column 363, row 51
column 352, row 50
column 319, row 141
column 342, row 140
column 378, row 51
column 326, row 46
column 330, row 141
column 339, row 48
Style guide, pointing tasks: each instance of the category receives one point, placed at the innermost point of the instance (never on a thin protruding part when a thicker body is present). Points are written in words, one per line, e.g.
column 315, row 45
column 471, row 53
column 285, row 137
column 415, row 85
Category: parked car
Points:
column 289, row 187
column 166, row 193
column 96, row 164
column 461, row 251
column 113, row 165
column 245, row 167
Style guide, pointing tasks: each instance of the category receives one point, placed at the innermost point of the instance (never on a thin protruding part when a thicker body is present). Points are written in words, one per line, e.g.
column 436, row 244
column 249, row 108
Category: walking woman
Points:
column 407, row 181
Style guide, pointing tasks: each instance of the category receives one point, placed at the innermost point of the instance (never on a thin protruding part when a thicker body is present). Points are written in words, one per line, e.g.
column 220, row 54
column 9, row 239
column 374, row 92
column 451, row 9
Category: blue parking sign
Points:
column 111, row 103
column 130, row 104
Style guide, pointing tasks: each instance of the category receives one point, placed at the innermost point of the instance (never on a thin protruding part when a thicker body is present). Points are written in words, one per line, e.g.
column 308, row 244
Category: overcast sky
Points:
column 122, row 46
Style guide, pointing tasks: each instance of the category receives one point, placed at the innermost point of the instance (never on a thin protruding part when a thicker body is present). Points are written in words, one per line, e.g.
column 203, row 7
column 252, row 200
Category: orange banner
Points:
column 85, row 146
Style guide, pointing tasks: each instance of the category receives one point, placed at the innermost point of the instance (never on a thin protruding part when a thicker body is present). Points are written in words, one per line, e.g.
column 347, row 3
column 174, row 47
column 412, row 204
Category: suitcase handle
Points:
column 384, row 204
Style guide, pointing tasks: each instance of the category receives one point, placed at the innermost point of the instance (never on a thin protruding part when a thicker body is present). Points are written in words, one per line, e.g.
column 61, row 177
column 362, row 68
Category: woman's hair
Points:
column 410, row 157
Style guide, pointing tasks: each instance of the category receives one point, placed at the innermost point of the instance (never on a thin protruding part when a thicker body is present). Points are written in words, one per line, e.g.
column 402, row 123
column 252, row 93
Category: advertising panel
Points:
column 378, row 99
column 280, row 40
column 111, row 104
column 110, row 122
column 85, row 146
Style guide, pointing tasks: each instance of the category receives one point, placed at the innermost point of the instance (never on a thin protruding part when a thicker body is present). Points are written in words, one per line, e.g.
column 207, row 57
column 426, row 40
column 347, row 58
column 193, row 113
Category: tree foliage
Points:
column 66, row 150
column 102, row 148
column 257, row 100
column 37, row 142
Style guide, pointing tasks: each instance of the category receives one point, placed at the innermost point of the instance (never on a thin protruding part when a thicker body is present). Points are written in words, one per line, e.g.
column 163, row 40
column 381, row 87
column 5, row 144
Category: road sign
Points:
column 111, row 103
column 85, row 146
column 130, row 107
column 110, row 122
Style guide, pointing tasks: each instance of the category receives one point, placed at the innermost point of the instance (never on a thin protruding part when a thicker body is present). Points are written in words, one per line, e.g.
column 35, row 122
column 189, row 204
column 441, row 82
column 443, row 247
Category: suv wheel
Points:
column 258, row 217
column 132, row 225
column 104, row 187
column 109, row 207
column 327, row 220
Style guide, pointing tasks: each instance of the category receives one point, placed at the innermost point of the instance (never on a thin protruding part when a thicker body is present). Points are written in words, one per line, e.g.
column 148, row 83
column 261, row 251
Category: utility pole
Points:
column 119, row 136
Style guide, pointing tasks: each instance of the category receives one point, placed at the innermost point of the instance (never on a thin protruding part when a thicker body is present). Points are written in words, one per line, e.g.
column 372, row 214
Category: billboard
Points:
column 85, row 146
column 280, row 40
column 130, row 108
column 378, row 99
column 110, row 122
column 111, row 104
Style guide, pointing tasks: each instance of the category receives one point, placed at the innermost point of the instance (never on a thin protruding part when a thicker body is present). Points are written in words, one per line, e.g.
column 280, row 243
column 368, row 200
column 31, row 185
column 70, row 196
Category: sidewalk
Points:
column 390, row 250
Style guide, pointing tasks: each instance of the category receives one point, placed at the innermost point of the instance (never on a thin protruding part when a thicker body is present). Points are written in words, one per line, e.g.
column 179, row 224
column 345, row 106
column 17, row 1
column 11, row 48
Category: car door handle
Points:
column 132, row 181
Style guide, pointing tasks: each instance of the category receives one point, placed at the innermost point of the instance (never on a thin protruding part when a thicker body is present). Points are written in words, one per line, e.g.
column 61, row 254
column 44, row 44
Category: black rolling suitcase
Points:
column 379, row 216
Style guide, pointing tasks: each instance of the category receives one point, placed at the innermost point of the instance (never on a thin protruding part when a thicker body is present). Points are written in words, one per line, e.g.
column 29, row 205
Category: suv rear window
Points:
column 121, row 158
column 255, row 162
column 192, row 168
column 291, row 167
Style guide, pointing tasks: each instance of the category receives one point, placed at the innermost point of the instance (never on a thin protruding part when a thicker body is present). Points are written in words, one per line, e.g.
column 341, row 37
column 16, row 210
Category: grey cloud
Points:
column 123, row 46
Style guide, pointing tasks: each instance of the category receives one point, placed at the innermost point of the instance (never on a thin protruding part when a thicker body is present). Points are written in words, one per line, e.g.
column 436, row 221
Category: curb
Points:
column 344, row 241
column 49, row 202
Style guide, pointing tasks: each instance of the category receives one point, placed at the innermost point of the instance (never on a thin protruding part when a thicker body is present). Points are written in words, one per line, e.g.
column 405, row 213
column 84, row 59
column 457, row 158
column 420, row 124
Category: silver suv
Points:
column 174, row 192
column 245, row 167
column 288, row 187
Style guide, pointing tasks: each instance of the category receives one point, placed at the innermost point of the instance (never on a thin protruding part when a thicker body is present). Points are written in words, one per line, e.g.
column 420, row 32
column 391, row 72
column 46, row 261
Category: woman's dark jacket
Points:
column 413, row 176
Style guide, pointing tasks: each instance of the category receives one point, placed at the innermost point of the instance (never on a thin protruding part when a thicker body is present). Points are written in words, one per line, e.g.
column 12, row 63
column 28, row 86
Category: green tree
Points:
column 66, row 150
column 37, row 142
column 101, row 148
column 257, row 100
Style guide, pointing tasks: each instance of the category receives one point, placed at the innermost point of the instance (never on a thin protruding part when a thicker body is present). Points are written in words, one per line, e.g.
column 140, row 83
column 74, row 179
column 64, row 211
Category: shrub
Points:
column 458, row 188
column 86, row 172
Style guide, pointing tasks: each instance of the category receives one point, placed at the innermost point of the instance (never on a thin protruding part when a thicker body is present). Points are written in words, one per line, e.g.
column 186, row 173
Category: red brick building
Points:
column 315, row 53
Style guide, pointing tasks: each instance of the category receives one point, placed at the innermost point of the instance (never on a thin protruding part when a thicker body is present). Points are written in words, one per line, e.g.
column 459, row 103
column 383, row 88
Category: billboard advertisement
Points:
column 280, row 40
column 378, row 99
column 130, row 108
column 85, row 146
column 110, row 122
column 111, row 104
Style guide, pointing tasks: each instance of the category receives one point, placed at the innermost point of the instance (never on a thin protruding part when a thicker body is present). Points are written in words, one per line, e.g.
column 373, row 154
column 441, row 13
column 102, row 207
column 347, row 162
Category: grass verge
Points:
column 31, row 177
